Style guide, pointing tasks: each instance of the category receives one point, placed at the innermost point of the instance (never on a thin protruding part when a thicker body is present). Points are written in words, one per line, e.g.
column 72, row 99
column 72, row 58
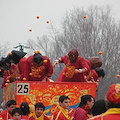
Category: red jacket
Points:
column 110, row 114
column 80, row 114
column 38, row 73
column 91, row 74
column 12, row 74
column 22, row 65
column 67, row 74
column 59, row 115
column 106, row 117
column 5, row 115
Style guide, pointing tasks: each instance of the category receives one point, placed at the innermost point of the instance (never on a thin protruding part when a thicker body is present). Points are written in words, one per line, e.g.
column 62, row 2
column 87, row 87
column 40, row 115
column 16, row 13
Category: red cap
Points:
column 113, row 94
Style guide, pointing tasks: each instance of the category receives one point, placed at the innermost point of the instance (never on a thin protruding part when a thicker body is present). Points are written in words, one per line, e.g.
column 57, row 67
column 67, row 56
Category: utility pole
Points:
column 21, row 47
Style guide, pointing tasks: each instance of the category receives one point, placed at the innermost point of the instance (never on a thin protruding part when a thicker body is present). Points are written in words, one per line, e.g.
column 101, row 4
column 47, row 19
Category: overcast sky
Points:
column 18, row 16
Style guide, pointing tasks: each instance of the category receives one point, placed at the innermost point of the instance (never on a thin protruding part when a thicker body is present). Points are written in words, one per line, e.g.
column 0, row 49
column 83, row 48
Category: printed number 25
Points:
column 22, row 88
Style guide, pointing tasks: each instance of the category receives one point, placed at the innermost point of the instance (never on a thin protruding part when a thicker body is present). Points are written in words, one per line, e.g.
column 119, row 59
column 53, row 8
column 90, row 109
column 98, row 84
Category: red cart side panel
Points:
column 47, row 92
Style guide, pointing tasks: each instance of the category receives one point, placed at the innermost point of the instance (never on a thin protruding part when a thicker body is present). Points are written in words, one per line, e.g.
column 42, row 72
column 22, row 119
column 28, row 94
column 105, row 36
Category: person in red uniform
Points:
column 74, row 69
column 38, row 114
column 95, row 75
column 93, row 63
column 11, row 72
column 39, row 67
column 113, row 98
column 19, row 59
column 22, row 66
column 81, row 112
column 62, row 112
column 10, row 105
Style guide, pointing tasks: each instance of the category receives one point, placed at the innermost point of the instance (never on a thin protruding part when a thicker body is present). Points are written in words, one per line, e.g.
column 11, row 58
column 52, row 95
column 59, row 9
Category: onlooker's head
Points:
column 99, row 107
column 10, row 105
column 64, row 101
column 25, row 108
column 73, row 55
column 87, row 101
column 39, row 109
column 17, row 114
column 113, row 96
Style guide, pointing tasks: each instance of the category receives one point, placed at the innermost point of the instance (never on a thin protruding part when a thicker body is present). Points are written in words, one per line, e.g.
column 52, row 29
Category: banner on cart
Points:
column 48, row 93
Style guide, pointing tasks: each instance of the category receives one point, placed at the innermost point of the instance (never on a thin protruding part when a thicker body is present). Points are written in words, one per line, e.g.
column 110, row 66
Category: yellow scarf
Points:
column 39, row 118
column 64, row 112
column 112, row 111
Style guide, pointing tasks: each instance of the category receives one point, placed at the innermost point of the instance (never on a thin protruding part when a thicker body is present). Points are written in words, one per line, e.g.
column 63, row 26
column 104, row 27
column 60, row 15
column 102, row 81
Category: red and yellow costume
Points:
column 62, row 114
column 68, row 74
column 42, row 117
column 5, row 115
column 12, row 74
column 22, row 65
column 113, row 96
column 110, row 114
column 91, row 75
column 34, row 73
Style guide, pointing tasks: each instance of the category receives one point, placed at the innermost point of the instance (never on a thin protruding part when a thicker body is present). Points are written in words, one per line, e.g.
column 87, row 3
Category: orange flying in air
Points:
column 37, row 17
column 100, row 52
column 30, row 30
column 47, row 21
column 117, row 75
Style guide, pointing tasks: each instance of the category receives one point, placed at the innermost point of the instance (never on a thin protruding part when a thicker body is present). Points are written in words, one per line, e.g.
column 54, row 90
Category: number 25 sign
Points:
column 22, row 88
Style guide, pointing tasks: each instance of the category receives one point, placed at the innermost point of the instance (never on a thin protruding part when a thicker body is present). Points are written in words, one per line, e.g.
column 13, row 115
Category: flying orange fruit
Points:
column 30, row 30
column 9, row 53
column 37, row 17
column 84, row 16
column 47, row 21
column 117, row 75
column 100, row 52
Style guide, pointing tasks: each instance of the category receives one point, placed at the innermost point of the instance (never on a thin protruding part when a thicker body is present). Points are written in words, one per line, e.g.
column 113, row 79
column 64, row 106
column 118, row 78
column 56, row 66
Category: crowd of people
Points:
column 15, row 66
column 88, row 108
